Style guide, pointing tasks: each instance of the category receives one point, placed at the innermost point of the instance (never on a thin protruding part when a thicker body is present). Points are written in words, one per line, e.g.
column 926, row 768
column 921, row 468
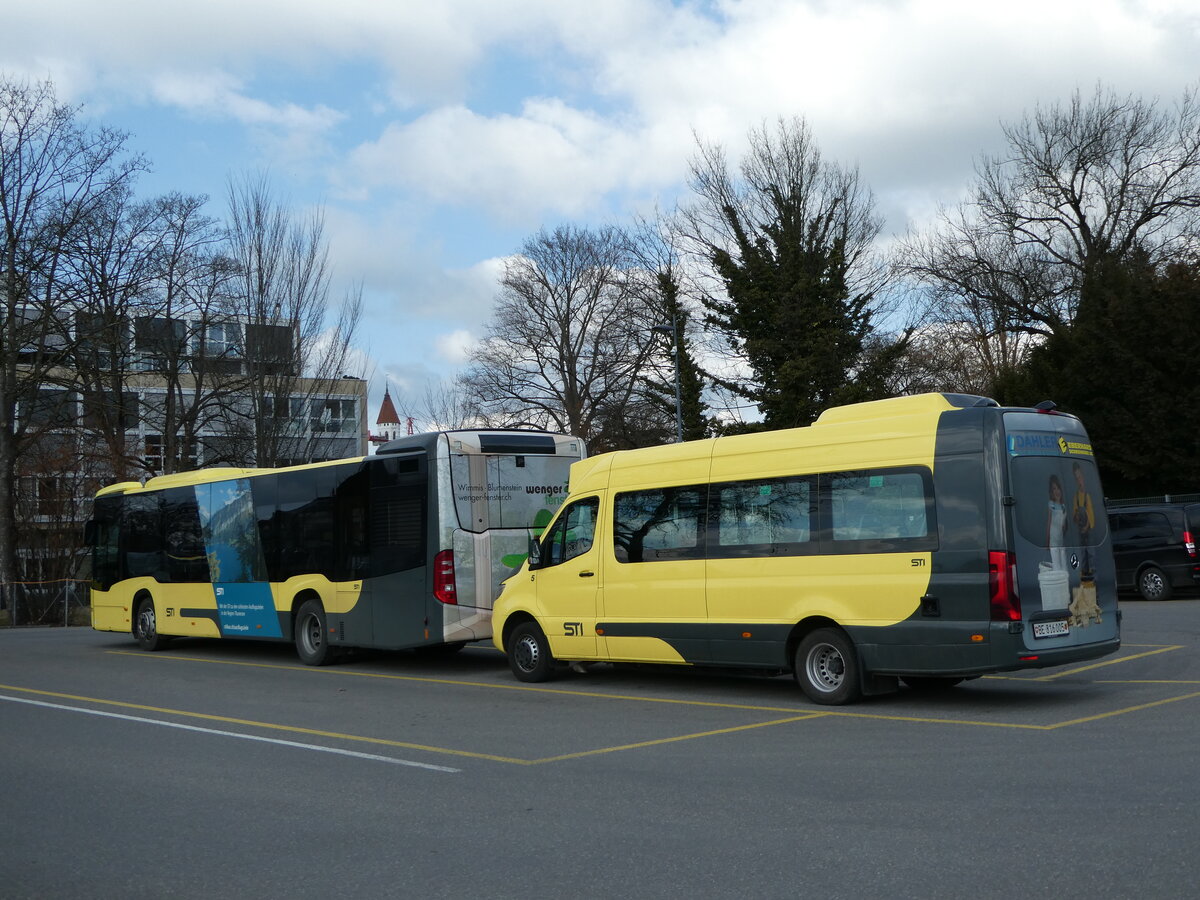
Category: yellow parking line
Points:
column 1121, row 712
column 293, row 729
column 671, row 740
column 1108, row 662
column 459, row 683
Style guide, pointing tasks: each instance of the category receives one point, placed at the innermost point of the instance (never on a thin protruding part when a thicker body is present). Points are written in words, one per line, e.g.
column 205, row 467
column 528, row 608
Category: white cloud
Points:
column 551, row 157
column 220, row 94
column 455, row 347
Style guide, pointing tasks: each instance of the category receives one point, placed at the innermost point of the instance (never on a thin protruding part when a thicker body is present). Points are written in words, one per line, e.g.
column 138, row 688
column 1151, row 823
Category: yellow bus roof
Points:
column 844, row 437
column 208, row 476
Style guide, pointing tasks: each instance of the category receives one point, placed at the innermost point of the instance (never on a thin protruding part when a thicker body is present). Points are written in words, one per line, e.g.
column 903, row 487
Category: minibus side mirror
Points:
column 535, row 553
column 89, row 533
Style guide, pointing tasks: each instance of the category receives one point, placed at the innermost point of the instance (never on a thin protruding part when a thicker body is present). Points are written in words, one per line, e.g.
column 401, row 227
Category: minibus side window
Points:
column 572, row 534
column 876, row 511
column 659, row 524
column 760, row 518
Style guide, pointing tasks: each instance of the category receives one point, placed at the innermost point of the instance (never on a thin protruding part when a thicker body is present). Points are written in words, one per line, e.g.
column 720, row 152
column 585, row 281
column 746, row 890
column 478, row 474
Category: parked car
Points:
column 1155, row 547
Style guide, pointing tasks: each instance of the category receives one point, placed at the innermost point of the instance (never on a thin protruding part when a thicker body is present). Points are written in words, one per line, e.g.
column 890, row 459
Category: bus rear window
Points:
column 510, row 491
column 1058, row 501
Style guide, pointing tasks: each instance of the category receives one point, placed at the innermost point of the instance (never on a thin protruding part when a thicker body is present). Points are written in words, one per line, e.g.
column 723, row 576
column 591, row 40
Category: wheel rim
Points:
column 310, row 634
column 146, row 625
column 826, row 668
column 526, row 653
column 1152, row 584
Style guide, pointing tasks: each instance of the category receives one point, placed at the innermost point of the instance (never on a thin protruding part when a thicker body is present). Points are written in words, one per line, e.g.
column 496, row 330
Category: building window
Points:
column 270, row 349
column 104, row 411
column 333, row 416
column 155, row 455
column 53, row 499
column 159, row 342
column 51, row 409
column 283, row 409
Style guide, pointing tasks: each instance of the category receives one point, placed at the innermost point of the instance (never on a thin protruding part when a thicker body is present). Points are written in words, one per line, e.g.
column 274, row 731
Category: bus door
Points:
column 654, row 597
column 568, row 580
column 1065, row 574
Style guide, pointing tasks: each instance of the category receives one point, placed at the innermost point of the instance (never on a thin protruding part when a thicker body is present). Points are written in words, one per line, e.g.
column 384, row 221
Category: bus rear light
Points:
column 1002, row 586
column 443, row 578
column 1189, row 544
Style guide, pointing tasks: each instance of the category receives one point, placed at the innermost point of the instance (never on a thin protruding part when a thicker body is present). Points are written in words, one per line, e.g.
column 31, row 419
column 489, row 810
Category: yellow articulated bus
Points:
column 928, row 539
column 403, row 549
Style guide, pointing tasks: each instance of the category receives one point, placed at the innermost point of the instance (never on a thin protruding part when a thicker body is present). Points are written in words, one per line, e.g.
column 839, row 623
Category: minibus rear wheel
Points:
column 827, row 668
column 529, row 654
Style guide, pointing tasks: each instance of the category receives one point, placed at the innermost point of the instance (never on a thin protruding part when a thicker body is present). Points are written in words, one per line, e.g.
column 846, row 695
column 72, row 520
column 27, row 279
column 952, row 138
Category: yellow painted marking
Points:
column 671, row 740
column 459, row 683
column 802, row 715
column 293, row 729
column 1108, row 662
column 1121, row 712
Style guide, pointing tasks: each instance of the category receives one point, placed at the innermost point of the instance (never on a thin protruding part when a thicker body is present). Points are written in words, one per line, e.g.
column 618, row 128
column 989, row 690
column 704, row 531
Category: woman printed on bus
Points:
column 1056, row 525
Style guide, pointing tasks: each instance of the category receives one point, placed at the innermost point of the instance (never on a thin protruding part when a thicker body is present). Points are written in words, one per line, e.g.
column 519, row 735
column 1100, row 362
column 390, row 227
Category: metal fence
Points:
column 1144, row 501
column 25, row 603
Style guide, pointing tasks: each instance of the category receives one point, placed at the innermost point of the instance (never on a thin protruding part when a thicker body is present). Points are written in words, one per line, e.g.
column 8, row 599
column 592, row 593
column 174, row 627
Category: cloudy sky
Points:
column 439, row 135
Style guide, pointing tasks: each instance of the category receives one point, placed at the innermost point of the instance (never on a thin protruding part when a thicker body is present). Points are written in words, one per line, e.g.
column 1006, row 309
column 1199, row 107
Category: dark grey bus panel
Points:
column 1066, row 577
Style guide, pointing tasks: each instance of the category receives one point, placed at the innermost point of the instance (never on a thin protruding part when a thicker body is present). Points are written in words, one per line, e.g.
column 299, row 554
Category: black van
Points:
column 1155, row 547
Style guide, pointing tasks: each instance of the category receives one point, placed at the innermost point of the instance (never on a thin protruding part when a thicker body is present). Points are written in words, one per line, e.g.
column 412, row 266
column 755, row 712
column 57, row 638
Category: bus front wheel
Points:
column 827, row 668
column 312, row 635
column 529, row 653
column 145, row 626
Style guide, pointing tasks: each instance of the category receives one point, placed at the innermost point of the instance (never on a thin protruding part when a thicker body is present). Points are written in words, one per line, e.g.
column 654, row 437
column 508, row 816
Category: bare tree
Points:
column 283, row 293
column 568, row 338
column 1082, row 182
column 54, row 174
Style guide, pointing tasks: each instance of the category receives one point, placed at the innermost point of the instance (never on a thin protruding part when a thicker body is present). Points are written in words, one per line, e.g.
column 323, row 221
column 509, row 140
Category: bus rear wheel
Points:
column 826, row 668
column 529, row 654
column 145, row 626
column 312, row 635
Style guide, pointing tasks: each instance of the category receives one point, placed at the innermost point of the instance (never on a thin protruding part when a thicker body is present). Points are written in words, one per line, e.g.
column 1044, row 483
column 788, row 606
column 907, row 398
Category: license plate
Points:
column 1058, row 628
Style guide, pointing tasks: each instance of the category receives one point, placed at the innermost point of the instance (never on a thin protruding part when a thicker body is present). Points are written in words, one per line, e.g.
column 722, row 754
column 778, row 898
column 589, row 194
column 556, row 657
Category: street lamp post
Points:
column 670, row 331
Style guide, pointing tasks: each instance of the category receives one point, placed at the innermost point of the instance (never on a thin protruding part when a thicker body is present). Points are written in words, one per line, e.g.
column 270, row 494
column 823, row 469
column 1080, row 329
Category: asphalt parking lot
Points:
column 229, row 766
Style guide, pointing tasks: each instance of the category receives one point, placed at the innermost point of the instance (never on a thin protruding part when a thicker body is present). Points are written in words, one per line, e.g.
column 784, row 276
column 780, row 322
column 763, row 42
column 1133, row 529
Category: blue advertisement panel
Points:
column 235, row 560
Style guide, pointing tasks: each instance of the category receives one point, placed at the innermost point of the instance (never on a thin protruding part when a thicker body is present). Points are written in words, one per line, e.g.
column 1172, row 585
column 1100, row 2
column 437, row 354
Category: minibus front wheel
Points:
column 529, row 654
column 827, row 668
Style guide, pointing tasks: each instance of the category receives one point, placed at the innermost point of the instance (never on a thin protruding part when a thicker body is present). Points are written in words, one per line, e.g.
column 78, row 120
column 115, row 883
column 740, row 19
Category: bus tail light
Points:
column 443, row 578
column 1002, row 586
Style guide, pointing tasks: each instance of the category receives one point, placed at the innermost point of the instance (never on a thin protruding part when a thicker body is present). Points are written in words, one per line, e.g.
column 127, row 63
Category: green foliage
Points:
column 809, row 342
column 661, row 392
column 1128, row 367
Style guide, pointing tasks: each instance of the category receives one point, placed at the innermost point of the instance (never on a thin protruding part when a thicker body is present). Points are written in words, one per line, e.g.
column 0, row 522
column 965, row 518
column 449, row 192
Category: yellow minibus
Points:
column 926, row 539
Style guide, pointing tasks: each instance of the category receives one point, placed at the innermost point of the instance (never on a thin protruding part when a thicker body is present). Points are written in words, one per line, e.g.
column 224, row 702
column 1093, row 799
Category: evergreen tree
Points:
column 791, row 241
column 661, row 390
column 1128, row 367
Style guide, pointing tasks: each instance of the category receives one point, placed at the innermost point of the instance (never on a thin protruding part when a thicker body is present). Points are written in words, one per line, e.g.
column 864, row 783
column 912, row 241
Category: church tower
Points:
column 387, row 426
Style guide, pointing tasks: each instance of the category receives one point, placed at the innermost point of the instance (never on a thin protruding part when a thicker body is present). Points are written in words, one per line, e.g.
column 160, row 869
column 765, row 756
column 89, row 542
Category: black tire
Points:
column 929, row 683
column 145, row 626
column 827, row 668
column 1153, row 584
column 312, row 635
column 529, row 654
